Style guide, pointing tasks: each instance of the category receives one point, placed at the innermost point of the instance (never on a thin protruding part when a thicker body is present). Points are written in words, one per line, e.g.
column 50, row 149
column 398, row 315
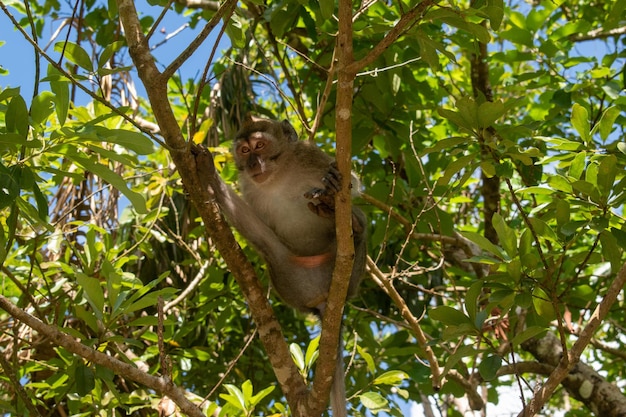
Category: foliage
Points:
column 489, row 141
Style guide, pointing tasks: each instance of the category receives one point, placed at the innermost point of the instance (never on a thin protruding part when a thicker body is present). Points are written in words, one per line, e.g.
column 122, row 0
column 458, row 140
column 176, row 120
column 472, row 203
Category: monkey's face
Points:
column 256, row 156
column 259, row 145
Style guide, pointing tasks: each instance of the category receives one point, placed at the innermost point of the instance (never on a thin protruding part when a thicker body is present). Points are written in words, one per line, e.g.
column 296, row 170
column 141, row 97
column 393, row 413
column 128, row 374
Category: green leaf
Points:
column 75, row 54
column 256, row 399
column 312, row 352
column 391, row 378
column 468, row 109
column 620, row 237
column 580, row 121
column 562, row 211
column 488, row 169
column 472, row 297
column 9, row 186
column 61, row 92
column 234, row 397
column 484, row 243
column 16, row 116
column 489, row 367
column 235, row 32
column 464, row 162
column 135, row 141
column 297, row 356
column 543, row 304
column 93, row 293
column 577, row 167
column 542, row 229
column 136, row 199
column 327, row 7
column 88, row 316
column 12, row 139
column 108, row 52
column 611, row 250
column 508, row 239
column 607, row 170
column 559, row 183
column 448, row 316
column 526, row 334
column 427, row 51
column 8, row 93
column 84, row 378
column 495, row 11
column 614, row 16
column 444, row 144
column 456, row 118
column 373, row 401
column 112, row 10
column 367, row 357
column 150, row 299
column 489, row 112
column 114, row 284
column 247, row 390
column 42, row 202
column 518, row 36
column 41, row 107
column 605, row 125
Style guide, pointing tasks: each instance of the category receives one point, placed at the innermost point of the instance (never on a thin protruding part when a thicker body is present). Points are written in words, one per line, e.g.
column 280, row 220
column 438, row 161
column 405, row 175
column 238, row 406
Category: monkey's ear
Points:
column 289, row 131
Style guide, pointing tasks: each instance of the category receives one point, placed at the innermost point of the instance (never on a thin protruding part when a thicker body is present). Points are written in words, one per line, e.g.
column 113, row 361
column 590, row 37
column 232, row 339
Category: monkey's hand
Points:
column 323, row 203
column 205, row 167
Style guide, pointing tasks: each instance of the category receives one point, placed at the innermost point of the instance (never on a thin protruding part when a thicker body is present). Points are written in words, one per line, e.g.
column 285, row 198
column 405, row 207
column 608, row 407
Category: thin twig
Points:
column 382, row 281
column 226, row 10
column 21, row 392
column 406, row 21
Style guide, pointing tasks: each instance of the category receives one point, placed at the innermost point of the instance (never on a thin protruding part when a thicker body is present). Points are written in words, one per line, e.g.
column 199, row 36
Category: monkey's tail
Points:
column 338, row 401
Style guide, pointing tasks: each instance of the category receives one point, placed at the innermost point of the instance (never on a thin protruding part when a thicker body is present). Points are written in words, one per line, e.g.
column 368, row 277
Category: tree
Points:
column 492, row 160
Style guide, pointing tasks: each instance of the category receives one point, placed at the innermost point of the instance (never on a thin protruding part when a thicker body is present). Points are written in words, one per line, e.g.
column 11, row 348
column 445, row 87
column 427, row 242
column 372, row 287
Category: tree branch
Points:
column 599, row 33
column 331, row 321
column 226, row 10
column 391, row 291
column 161, row 385
column 407, row 20
column 201, row 4
column 569, row 361
column 196, row 172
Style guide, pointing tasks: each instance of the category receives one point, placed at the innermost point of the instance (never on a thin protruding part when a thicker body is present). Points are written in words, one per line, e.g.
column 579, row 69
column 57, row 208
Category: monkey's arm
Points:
column 238, row 213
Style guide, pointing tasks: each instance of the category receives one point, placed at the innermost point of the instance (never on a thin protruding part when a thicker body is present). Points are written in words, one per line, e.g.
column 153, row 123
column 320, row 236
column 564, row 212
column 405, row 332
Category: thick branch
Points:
column 490, row 189
column 548, row 349
column 161, row 385
column 331, row 324
column 195, row 172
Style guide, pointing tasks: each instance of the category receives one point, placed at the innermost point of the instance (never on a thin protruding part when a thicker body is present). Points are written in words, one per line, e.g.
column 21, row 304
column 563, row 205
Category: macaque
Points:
column 287, row 214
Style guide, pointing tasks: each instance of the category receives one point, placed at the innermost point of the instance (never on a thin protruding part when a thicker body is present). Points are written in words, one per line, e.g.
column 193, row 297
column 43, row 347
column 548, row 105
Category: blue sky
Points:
column 17, row 55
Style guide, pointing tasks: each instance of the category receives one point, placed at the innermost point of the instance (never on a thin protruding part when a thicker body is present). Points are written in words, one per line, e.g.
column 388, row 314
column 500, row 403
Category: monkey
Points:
column 287, row 214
